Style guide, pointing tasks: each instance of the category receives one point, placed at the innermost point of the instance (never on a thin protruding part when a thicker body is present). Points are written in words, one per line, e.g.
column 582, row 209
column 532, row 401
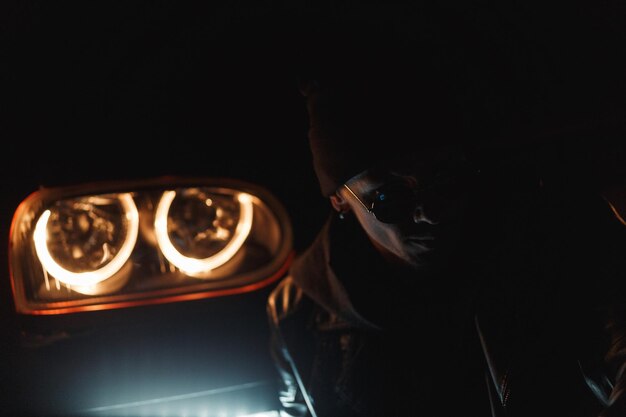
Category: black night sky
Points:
column 119, row 90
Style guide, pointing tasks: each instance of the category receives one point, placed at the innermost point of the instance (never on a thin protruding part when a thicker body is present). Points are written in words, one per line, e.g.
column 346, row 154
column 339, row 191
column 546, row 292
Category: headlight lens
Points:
column 84, row 241
column 198, row 232
column 109, row 246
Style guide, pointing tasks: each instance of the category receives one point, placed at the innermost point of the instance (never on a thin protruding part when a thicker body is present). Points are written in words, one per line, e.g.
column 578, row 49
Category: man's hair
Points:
column 374, row 88
column 372, row 92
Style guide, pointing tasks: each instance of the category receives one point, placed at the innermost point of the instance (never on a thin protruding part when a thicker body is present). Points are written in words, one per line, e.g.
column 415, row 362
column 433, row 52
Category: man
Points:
column 376, row 316
column 444, row 257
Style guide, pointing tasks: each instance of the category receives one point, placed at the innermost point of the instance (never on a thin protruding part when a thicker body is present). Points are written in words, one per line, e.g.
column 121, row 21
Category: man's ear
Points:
column 339, row 203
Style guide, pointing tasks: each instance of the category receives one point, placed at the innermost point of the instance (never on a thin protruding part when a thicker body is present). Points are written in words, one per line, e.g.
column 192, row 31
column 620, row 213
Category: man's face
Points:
column 426, row 233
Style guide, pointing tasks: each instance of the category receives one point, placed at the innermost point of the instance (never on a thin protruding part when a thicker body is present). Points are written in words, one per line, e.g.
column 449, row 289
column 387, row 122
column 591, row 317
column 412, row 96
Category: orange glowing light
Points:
column 201, row 268
column 88, row 279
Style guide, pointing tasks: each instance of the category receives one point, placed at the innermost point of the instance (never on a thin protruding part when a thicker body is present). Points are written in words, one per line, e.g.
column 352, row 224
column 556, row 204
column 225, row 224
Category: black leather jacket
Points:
column 351, row 338
column 554, row 331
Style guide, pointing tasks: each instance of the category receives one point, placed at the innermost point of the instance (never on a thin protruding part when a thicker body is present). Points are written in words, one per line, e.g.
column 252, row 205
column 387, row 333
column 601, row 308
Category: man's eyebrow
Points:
column 371, row 194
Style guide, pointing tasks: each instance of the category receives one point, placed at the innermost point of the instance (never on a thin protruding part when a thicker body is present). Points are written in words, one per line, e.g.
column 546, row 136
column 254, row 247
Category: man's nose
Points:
column 426, row 213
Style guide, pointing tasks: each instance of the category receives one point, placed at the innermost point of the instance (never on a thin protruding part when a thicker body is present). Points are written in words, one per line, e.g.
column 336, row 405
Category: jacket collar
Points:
column 324, row 269
column 343, row 273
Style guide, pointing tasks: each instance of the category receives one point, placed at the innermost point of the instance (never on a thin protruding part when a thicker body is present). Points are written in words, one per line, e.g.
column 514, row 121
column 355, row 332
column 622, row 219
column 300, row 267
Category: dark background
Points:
column 103, row 90
column 106, row 90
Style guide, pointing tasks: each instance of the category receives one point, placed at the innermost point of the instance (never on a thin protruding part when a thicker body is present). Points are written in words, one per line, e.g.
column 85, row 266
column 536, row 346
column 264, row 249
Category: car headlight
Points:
column 112, row 245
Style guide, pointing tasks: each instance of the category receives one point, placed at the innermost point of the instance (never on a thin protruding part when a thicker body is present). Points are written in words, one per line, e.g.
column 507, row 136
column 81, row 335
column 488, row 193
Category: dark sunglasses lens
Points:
column 393, row 203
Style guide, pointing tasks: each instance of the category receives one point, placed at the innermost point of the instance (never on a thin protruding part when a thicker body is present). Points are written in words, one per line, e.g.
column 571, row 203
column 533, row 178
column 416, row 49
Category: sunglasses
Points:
column 396, row 201
column 392, row 203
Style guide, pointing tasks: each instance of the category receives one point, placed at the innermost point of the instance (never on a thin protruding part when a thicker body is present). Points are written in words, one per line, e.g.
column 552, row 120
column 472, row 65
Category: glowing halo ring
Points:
column 194, row 266
column 88, row 278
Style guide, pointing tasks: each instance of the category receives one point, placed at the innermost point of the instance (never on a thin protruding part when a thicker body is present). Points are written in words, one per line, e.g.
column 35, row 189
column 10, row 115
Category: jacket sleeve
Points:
column 281, row 305
column 615, row 357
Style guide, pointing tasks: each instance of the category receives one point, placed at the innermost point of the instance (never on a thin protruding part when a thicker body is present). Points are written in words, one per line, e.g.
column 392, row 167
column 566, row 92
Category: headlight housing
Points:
column 112, row 245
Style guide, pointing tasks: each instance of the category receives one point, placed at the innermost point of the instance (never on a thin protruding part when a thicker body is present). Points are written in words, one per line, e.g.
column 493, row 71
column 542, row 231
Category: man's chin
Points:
column 432, row 261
